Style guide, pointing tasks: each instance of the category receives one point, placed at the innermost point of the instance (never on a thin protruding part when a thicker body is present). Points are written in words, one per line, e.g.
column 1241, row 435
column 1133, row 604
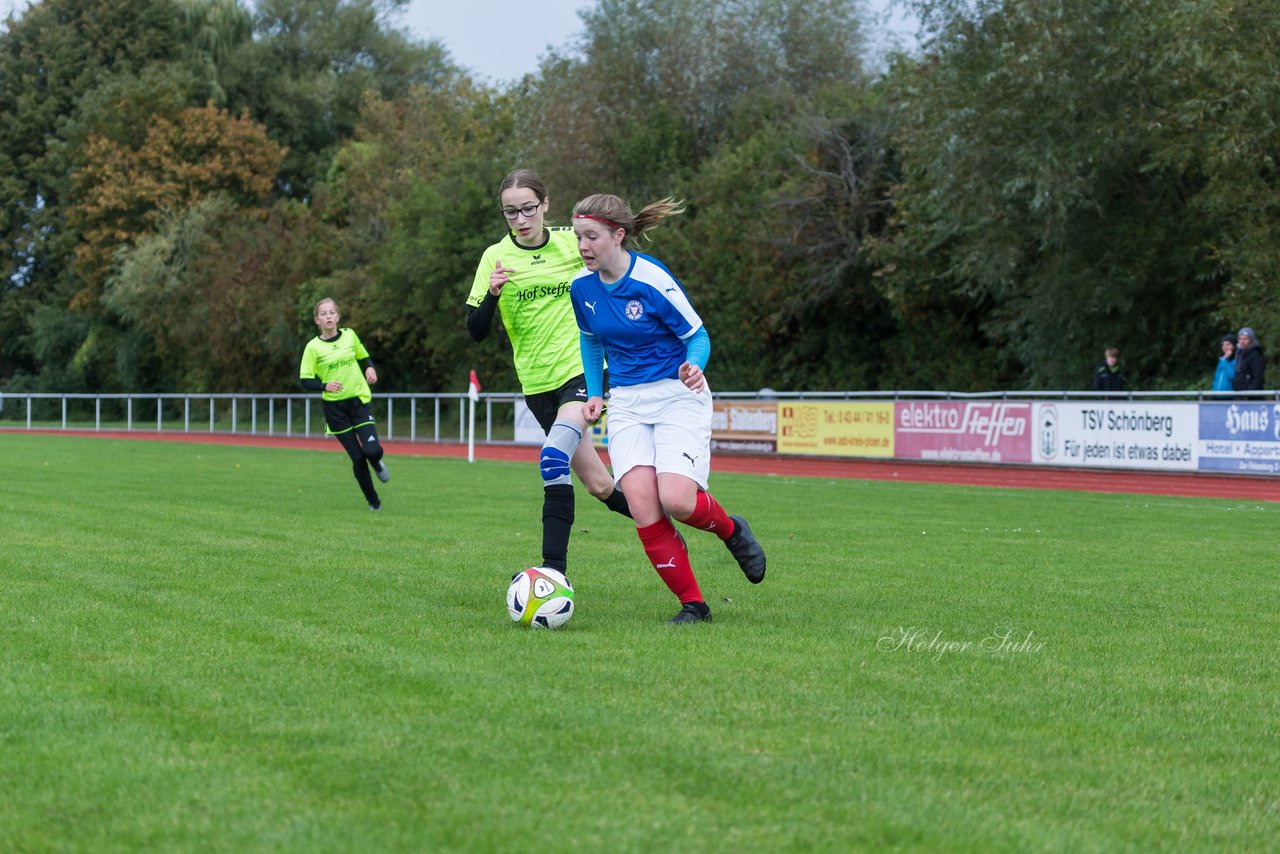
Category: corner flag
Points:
column 474, row 391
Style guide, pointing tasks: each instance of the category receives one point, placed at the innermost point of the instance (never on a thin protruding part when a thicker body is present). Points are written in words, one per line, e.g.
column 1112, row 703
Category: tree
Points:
column 50, row 58
column 750, row 111
column 1048, row 185
column 310, row 65
column 217, row 292
column 122, row 193
column 213, row 31
column 773, row 252
column 107, row 73
column 1226, row 109
column 662, row 82
column 413, row 193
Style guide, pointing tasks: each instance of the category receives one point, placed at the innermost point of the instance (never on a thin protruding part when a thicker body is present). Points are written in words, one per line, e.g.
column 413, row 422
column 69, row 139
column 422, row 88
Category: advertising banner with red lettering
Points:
column 970, row 432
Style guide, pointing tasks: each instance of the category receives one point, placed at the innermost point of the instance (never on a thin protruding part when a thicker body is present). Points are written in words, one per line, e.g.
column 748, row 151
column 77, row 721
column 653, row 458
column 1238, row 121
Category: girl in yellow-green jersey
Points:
column 525, row 278
column 336, row 363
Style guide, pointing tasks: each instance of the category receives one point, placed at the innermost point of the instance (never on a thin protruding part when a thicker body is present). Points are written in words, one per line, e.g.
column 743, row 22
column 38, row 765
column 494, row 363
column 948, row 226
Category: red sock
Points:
column 668, row 555
column 708, row 515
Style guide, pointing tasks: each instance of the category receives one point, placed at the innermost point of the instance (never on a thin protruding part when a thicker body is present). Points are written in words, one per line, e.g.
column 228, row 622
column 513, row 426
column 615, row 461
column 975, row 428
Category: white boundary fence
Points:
column 406, row 416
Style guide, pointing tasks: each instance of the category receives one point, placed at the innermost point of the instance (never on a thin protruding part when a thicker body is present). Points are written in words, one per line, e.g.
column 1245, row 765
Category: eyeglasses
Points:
column 528, row 210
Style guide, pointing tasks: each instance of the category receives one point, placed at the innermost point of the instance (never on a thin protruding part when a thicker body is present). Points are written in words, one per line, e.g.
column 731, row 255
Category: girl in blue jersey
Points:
column 336, row 363
column 630, row 308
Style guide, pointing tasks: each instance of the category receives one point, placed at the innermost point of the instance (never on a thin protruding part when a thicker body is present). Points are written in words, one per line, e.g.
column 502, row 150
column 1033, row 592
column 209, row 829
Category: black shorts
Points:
column 545, row 404
column 346, row 414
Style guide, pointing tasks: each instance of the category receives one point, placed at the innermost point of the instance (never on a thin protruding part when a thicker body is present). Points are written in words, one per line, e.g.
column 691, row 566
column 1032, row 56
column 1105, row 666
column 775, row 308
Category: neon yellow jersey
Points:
column 535, row 306
column 337, row 360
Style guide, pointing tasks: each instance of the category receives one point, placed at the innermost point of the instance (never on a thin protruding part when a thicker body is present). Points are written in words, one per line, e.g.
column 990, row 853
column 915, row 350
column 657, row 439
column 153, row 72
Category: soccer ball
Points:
column 540, row 597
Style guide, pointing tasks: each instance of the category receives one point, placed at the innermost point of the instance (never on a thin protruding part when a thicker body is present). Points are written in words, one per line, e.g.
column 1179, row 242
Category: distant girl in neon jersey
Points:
column 337, row 364
column 525, row 276
column 630, row 308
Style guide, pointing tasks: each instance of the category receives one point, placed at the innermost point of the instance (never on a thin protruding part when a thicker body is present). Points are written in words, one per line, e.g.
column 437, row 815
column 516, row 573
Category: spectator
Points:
column 1226, row 370
column 1108, row 376
column 1250, row 362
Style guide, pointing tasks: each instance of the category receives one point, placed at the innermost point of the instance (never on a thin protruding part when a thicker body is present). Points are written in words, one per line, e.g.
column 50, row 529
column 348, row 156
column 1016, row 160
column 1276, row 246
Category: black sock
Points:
column 617, row 502
column 557, row 523
column 351, row 443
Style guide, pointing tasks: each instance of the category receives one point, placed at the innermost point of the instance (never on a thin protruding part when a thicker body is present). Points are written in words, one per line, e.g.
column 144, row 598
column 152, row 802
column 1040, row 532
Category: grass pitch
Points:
column 221, row 649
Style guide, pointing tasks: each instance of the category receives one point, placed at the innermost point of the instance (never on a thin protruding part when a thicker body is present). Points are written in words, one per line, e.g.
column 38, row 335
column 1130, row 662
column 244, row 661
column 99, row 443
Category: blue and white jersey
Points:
column 643, row 320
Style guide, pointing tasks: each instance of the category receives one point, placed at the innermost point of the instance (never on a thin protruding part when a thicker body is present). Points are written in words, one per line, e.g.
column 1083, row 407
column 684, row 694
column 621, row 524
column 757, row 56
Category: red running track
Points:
column 1197, row 485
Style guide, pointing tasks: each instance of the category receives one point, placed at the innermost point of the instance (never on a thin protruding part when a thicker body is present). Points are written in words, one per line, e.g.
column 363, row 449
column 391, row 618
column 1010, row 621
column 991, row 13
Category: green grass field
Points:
column 221, row 649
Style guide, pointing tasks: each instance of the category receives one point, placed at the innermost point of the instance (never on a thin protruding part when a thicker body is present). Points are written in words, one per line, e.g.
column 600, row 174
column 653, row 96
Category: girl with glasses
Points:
column 630, row 308
column 525, row 277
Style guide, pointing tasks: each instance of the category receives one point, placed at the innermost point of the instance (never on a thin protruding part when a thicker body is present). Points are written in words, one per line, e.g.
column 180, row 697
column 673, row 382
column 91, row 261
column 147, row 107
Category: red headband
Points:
column 607, row 222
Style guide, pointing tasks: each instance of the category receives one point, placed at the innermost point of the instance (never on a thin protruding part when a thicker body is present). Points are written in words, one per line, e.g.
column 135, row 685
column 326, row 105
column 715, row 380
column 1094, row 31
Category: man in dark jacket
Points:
column 1108, row 376
column 1250, row 362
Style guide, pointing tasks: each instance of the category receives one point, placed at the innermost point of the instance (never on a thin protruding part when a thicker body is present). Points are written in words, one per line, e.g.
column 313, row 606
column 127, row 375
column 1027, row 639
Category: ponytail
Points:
column 614, row 212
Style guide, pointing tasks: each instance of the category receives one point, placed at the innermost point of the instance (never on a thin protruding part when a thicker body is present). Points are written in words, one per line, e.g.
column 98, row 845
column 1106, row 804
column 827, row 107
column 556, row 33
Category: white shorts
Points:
column 662, row 424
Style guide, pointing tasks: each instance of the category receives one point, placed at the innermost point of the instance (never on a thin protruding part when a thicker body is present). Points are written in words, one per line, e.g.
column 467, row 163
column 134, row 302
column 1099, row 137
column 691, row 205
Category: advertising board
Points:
column 836, row 429
column 1240, row 437
column 1132, row 434
column 745, row 426
column 971, row 432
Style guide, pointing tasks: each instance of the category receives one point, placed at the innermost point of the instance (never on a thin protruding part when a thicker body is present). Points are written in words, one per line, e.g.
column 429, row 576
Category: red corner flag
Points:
column 474, row 391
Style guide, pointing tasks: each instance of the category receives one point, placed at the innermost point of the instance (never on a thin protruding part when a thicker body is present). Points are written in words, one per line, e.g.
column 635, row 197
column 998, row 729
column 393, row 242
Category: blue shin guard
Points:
column 557, row 451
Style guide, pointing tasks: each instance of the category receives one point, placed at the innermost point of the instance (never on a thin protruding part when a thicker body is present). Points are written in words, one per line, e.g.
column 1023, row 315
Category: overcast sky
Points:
column 486, row 37
column 501, row 48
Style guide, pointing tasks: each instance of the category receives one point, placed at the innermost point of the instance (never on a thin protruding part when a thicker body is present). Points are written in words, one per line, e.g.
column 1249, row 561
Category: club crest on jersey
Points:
column 634, row 310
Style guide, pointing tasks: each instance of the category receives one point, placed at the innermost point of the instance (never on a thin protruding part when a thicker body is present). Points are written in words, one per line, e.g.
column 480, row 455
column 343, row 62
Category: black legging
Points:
column 364, row 449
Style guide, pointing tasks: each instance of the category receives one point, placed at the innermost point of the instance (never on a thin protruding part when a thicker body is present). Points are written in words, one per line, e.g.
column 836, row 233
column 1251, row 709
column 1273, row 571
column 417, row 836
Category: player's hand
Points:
column 593, row 409
column 333, row 386
column 691, row 376
column 370, row 375
column 499, row 277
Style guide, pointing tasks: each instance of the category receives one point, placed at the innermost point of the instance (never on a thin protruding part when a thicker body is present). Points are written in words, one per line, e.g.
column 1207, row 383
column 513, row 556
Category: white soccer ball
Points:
column 540, row 597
